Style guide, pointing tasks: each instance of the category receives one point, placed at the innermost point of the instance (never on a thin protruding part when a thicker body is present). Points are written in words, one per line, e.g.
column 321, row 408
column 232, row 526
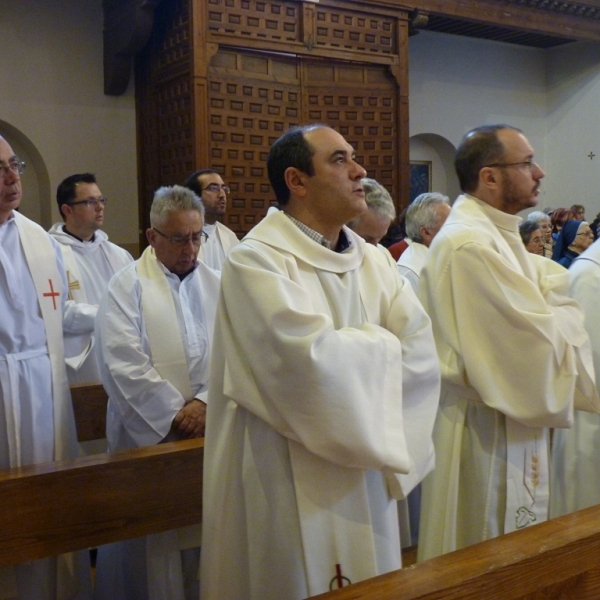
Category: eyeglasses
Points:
column 95, row 202
column 201, row 237
column 589, row 233
column 15, row 166
column 215, row 188
column 528, row 164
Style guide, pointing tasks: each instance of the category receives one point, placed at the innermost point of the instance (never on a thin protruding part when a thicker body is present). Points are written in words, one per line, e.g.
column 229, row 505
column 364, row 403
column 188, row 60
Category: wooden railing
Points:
column 58, row 507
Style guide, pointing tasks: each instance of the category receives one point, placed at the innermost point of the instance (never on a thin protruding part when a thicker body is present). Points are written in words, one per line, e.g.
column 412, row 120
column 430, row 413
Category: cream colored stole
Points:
column 168, row 358
column 160, row 318
column 527, row 448
column 40, row 256
column 47, row 279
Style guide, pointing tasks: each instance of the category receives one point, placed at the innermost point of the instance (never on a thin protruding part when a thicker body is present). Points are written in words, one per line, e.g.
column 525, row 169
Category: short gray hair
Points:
column 537, row 216
column 173, row 199
column 422, row 213
column 378, row 199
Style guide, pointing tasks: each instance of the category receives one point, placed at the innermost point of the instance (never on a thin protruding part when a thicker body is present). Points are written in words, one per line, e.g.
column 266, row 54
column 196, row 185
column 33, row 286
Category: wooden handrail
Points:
column 69, row 505
column 89, row 407
column 556, row 559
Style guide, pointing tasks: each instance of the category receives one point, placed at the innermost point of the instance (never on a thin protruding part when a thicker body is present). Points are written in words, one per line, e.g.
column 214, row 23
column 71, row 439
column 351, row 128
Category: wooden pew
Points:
column 559, row 559
column 89, row 407
column 69, row 505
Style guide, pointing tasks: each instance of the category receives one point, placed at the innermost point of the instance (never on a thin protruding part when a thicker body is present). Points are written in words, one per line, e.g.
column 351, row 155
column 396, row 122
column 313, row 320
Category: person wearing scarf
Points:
column 574, row 238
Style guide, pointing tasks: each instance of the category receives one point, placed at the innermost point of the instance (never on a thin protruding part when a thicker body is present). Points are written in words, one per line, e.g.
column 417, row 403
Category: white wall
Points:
column 458, row 83
column 52, row 98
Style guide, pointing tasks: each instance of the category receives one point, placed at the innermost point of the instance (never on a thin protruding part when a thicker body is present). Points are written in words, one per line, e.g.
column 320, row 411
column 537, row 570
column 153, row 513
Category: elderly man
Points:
column 154, row 335
column 37, row 416
column 90, row 259
column 515, row 357
column 323, row 391
column 373, row 224
column 209, row 187
column 424, row 218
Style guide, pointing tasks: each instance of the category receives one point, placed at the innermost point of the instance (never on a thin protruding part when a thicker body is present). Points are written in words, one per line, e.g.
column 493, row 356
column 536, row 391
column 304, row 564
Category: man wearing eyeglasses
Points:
column 209, row 187
column 90, row 261
column 35, row 403
column 154, row 340
column 515, row 358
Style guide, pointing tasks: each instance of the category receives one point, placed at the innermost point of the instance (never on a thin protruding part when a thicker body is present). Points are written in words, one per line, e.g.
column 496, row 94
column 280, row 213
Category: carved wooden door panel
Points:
column 255, row 97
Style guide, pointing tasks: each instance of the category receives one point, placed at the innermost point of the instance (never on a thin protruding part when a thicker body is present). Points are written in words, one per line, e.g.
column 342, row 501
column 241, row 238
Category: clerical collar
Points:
column 78, row 238
column 343, row 241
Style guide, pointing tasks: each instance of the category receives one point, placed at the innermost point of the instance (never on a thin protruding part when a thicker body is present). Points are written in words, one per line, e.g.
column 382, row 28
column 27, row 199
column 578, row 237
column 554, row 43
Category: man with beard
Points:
column 209, row 187
column 514, row 354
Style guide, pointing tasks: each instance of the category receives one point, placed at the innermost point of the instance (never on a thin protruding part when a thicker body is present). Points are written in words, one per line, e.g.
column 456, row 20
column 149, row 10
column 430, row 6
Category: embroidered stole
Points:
column 48, row 281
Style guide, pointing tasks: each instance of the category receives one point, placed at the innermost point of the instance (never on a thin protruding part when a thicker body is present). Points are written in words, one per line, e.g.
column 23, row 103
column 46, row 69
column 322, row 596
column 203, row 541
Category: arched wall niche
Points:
column 440, row 152
column 37, row 194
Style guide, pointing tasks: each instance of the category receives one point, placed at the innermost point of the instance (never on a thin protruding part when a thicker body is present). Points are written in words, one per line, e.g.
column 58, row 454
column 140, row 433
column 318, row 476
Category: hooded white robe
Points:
column 324, row 388
column 36, row 416
column 411, row 263
column 513, row 354
column 141, row 408
column 220, row 241
column 89, row 266
column 575, row 451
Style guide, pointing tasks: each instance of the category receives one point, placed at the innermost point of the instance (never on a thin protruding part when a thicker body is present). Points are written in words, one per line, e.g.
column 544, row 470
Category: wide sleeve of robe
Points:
column 337, row 392
column 145, row 401
column 520, row 341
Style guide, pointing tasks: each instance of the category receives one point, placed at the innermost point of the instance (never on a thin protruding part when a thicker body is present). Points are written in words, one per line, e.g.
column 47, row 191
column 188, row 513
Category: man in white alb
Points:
column 515, row 357
column 90, row 259
column 153, row 332
column 324, row 388
column 209, row 187
column 424, row 218
column 37, row 422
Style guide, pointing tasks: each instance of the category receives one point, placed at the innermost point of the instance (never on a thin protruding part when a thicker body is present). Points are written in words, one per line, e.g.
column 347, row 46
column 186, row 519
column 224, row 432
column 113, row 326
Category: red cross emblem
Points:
column 52, row 293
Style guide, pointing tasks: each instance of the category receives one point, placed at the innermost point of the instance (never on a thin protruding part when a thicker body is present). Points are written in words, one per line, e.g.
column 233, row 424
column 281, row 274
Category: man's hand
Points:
column 189, row 422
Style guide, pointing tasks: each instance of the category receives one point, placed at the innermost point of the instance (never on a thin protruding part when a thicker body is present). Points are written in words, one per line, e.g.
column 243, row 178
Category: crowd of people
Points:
column 346, row 396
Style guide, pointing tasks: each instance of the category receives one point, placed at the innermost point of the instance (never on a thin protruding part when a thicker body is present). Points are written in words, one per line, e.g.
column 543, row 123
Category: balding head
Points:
column 10, row 181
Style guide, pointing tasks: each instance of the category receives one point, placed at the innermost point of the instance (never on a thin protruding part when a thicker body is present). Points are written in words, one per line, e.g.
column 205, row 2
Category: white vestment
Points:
column 142, row 405
column 89, row 266
column 36, row 416
column 515, row 361
column 220, row 241
column 575, row 451
column 324, row 386
column 411, row 262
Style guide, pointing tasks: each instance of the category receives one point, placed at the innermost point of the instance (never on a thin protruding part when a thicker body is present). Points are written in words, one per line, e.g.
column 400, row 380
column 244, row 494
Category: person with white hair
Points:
column 373, row 224
column 424, row 218
column 543, row 220
column 154, row 336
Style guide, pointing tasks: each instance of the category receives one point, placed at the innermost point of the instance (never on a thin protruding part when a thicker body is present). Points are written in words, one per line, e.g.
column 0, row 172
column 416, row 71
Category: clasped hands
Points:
column 189, row 422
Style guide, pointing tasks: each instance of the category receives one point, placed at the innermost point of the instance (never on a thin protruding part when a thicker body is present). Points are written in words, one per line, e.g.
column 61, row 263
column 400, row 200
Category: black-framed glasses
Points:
column 528, row 164
column 215, row 188
column 15, row 166
column 95, row 202
column 177, row 239
column 589, row 233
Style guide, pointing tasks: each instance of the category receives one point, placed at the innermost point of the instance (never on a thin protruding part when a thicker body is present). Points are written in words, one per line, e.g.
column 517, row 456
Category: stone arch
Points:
column 440, row 152
column 37, row 194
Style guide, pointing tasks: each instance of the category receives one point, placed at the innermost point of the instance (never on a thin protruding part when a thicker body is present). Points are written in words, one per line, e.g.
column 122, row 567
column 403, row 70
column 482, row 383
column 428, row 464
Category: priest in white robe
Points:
column 324, row 388
column 154, row 339
column 514, row 355
column 90, row 261
column 575, row 451
column 36, row 416
column 424, row 218
column 208, row 185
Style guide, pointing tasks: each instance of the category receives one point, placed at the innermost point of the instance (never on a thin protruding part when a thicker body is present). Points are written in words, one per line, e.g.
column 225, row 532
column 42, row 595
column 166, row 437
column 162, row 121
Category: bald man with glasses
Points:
column 210, row 188
column 90, row 261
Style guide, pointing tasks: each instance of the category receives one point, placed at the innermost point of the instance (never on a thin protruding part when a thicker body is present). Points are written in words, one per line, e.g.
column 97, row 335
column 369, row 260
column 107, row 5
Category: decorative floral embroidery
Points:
column 531, row 480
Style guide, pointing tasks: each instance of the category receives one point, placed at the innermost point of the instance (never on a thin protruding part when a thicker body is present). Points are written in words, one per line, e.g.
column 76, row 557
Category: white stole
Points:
column 48, row 281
